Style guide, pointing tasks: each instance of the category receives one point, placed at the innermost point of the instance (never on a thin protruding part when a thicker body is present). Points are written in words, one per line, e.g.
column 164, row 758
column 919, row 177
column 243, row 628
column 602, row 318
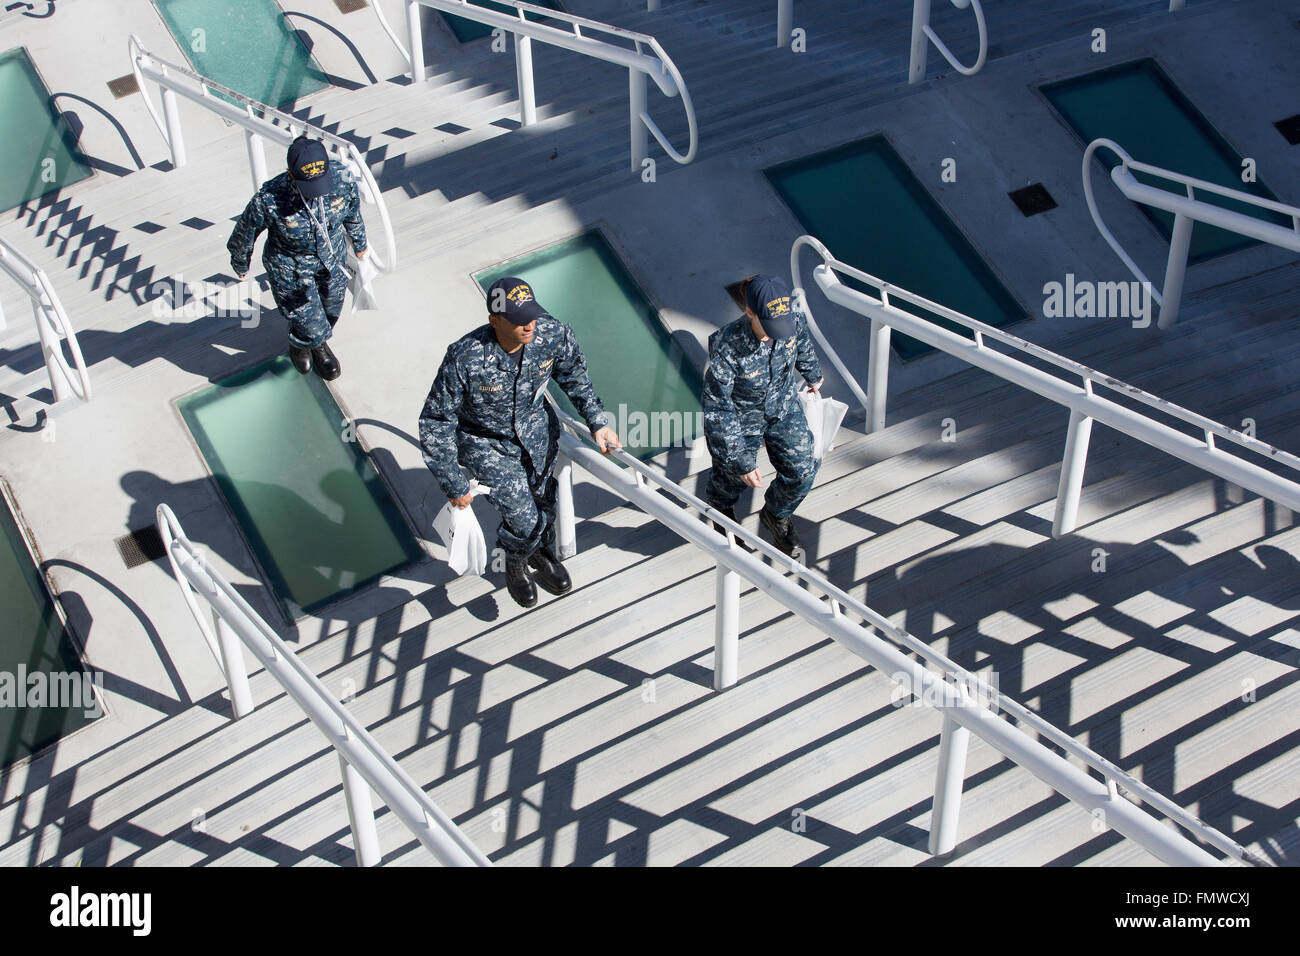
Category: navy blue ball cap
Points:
column 773, row 303
column 513, row 297
column 309, row 165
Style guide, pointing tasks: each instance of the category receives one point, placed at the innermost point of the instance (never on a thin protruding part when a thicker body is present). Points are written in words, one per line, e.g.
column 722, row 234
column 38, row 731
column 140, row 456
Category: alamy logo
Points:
column 75, row 908
column 1100, row 300
column 60, row 690
column 659, row 429
column 981, row 690
column 176, row 299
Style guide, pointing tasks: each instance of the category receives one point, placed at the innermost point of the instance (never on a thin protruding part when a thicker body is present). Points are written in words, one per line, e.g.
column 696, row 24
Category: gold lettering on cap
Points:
column 779, row 306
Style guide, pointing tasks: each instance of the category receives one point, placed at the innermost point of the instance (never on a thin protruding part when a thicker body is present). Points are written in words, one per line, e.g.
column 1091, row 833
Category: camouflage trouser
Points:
column 790, row 448
column 522, row 492
column 311, row 304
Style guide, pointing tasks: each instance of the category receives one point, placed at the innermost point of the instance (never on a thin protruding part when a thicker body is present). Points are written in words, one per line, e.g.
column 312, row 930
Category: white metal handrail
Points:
column 656, row 64
column 260, row 122
column 923, row 35
column 1084, row 404
column 969, row 704
column 1186, row 210
column 67, row 372
column 361, row 758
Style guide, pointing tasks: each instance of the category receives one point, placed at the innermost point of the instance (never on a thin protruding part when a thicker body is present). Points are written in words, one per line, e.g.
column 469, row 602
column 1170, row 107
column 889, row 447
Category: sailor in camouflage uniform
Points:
column 310, row 212
column 750, row 400
column 487, row 411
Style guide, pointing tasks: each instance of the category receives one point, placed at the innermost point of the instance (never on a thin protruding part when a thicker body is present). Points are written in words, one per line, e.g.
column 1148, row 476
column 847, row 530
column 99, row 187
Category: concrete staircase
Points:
column 586, row 730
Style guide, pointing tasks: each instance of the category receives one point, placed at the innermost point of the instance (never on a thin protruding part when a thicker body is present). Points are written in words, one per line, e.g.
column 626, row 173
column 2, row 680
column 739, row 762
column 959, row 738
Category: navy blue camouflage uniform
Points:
column 751, row 399
column 308, row 274
column 489, row 413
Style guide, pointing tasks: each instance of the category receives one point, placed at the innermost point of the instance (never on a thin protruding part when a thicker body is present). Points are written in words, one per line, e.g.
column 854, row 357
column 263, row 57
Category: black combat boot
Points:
column 301, row 358
column 784, row 536
column 549, row 572
column 729, row 513
column 520, row 583
column 327, row 366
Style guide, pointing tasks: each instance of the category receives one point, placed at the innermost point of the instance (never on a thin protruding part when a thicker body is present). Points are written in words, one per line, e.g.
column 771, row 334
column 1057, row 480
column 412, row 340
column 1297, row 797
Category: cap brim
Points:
column 781, row 328
column 527, row 313
column 315, row 188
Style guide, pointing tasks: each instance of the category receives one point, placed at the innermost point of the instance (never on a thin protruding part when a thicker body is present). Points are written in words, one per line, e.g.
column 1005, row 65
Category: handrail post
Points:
column 652, row 5
column 784, row 21
column 232, row 663
column 2, row 316
column 636, row 105
column 175, row 138
column 361, row 815
column 416, row 37
column 877, row 375
column 1176, row 5
column 524, row 71
column 256, row 159
column 726, row 628
column 59, row 383
column 1175, row 270
column 566, row 538
column 954, row 741
column 1072, row 466
column 920, row 42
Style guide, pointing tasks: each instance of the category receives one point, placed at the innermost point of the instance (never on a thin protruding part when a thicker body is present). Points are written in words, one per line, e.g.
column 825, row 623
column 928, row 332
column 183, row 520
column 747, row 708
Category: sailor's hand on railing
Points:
column 753, row 479
column 606, row 440
column 817, row 387
column 363, row 253
column 462, row 502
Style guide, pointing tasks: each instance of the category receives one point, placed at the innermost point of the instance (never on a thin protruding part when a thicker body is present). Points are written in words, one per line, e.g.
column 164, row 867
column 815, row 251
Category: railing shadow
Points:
column 77, row 128
column 352, row 48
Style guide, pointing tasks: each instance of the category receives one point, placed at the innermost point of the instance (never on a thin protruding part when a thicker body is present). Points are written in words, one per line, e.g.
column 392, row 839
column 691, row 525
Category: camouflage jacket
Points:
column 749, row 384
column 481, row 395
column 295, row 246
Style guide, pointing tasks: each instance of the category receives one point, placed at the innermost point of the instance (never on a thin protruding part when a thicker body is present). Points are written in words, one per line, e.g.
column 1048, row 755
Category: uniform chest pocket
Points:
column 484, row 393
column 541, row 377
column 751, row 377
column 782, row 359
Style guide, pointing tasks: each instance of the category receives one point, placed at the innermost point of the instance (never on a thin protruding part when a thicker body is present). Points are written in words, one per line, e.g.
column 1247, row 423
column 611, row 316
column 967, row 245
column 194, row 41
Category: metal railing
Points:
column 923, row 35
column 229, row 621
column 1187, row 210
column 260, row 123
column 575, row 36
column 67, row 371
column 1084, row 403
column 969, row 704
